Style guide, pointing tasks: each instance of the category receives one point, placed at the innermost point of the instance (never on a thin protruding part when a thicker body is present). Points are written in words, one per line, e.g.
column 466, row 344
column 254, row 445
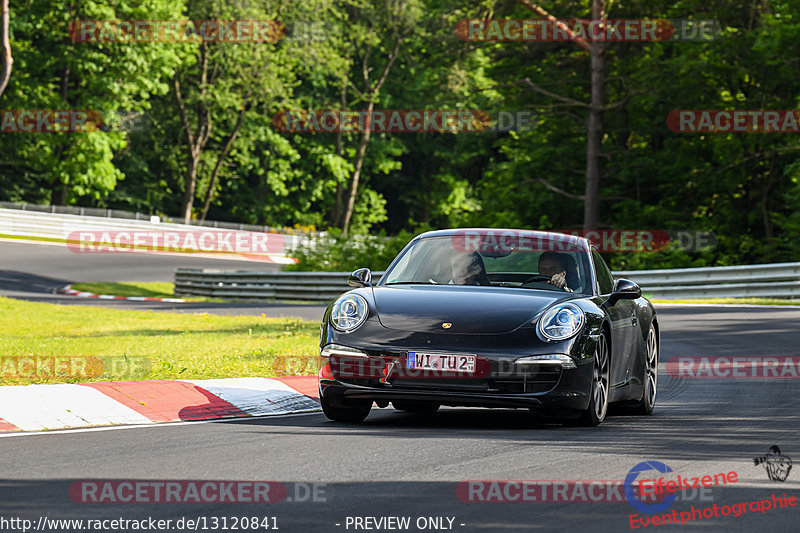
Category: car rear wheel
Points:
column 595, row 412
column 416, row 406
column 650, row 377
column 351, row 411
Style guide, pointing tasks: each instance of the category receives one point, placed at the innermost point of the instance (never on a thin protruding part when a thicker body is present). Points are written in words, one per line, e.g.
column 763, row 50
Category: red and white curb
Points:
column 67, row 289
column 43, row 407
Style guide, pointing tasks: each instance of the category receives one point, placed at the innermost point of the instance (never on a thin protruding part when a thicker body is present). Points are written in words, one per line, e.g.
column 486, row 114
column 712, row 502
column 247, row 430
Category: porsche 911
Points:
column 490, row 318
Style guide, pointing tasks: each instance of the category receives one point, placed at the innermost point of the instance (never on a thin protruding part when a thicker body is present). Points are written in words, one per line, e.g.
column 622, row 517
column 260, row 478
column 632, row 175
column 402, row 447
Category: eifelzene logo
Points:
column 777, row 465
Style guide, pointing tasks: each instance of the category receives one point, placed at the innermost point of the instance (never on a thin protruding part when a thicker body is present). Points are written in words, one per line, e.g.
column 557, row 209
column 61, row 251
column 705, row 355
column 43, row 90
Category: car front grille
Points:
column 526, row 379
column 519, row 379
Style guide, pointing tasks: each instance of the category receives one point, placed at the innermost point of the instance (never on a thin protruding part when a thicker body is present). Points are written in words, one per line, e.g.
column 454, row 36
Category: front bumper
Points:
column 497, row 382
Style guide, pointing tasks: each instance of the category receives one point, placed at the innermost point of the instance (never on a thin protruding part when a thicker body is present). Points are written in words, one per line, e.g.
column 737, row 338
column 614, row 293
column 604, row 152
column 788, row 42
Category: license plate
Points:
column 441, row 362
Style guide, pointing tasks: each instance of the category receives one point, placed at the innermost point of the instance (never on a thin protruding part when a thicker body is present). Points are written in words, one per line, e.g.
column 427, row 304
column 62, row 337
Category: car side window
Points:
column 604, row 277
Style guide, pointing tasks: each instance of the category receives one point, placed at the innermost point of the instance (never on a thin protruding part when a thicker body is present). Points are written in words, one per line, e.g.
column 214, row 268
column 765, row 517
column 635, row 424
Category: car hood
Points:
column 468, row 310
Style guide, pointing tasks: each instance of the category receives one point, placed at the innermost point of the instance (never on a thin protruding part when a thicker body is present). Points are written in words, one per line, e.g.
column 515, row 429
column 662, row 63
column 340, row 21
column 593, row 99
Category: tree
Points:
column 53, row 72
column 223, row 81
column 6, row 61
column 377, row 34
column 594, row 122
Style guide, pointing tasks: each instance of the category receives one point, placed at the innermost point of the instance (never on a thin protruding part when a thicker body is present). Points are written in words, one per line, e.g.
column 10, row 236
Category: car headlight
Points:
column 561, row 322
column 349, row 312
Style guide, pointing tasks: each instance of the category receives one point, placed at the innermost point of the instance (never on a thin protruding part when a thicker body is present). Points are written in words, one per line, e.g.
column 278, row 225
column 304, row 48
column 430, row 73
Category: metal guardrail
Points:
column 781, row 280
column 247, row 285
column 128, row 215
column 19, row 223
column 775, row 280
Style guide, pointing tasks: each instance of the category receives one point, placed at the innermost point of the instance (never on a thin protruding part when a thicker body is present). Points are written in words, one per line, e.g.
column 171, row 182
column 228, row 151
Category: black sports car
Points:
column 490, row 318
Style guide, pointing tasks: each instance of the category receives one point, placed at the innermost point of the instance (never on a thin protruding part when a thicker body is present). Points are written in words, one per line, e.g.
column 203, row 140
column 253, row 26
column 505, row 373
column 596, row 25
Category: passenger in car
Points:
column 468, row 269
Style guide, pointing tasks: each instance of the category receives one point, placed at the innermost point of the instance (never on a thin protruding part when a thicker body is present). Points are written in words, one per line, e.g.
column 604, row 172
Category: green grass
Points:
column 740, row 301
column 47, row 343
column 154, row 289
column 158, row 289
column 31, row 238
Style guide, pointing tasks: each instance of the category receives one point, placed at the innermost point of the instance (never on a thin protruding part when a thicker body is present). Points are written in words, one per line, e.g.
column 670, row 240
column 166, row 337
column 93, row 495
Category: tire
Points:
column 646, row 405
column 596, row 411
column 416, row 406
column 352, row 412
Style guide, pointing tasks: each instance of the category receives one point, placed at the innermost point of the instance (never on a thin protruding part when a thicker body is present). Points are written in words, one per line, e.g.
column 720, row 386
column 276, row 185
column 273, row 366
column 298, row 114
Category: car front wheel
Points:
column 595, row 412
column 650, row 378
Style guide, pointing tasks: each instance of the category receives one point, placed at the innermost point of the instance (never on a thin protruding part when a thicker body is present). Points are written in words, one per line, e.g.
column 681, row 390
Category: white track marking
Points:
column 38, row 407
column 258, row 396
column 140, row 426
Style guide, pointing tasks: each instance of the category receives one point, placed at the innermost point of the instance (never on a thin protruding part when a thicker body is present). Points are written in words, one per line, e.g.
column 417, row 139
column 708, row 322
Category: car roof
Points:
column 564, row 237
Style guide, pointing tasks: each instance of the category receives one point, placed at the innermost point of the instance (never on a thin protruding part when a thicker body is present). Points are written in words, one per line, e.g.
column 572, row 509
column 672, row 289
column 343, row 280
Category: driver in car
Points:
column 554, row 265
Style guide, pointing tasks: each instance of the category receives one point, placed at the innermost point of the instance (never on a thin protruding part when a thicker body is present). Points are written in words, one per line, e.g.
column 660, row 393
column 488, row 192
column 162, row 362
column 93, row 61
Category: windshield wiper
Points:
column 412, row 283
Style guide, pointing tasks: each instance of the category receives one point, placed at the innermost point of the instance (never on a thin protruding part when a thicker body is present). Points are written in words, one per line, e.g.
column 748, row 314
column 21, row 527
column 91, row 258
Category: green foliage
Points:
column 345, row 253
column 745, row 188
column 51, row 72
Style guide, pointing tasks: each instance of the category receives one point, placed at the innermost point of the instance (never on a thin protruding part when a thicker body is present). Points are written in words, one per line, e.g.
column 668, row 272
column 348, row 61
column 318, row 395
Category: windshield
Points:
column 485, row 260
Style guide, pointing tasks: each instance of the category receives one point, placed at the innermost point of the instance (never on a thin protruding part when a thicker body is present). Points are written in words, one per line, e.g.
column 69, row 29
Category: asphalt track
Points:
column 397, row 464
column 34, row 272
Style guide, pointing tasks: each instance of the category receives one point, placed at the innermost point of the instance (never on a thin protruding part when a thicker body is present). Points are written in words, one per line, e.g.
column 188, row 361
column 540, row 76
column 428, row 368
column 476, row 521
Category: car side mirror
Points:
column 360, row 278
column 624, row 289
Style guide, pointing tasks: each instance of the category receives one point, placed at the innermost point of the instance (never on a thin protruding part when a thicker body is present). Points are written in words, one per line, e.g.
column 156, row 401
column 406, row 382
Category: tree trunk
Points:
column 5, row 46
column 190, row 185
column 594, row 123
column 218, row 167
column 766, row 185
column 372, row 93
column 357, row 164
column 338, row 207
column 195, row 142
column 594, row 129
column 60, row 190
column 58, row 194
